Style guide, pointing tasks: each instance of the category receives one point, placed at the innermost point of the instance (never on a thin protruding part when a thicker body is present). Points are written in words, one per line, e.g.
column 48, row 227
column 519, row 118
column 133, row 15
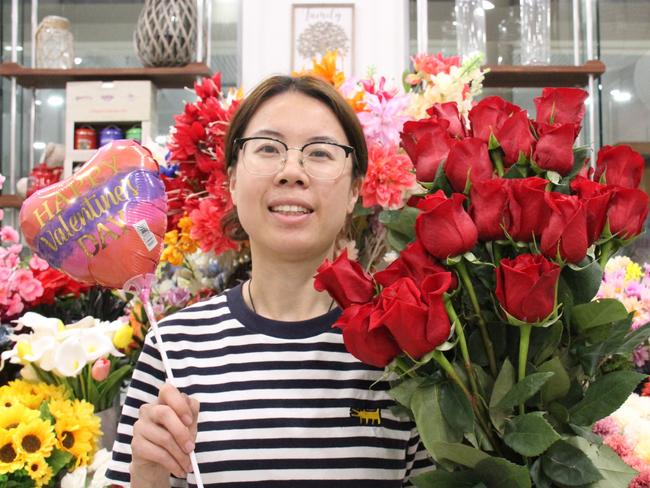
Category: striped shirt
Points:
column 283, row 404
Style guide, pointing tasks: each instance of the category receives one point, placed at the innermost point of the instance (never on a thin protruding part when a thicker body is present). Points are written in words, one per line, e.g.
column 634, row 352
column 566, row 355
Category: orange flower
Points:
column 356, row 102
column 325, row 69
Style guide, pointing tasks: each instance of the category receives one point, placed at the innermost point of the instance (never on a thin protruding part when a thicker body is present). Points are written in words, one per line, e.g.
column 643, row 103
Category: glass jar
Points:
column 54, row 43
column 470, row 27
column 535, row 31
column 508, row 38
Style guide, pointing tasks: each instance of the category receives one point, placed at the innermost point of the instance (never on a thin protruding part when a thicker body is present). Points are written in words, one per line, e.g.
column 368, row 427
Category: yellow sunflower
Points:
column 75, row 439
column 39, row 470
column 10, row 457
column 35, row 438
column 29, row 394
column 16, row 415
column 52, row 392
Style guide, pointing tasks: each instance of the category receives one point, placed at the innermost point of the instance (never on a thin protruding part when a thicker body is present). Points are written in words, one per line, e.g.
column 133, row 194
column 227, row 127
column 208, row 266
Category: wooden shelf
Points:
column 10, row 201
column 57, row 78
column 502, row 76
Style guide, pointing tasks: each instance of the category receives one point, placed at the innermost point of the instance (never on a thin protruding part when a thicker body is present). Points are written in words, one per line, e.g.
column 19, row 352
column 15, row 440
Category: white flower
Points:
column 76, row 479
column 39, row 324
column 96, row 344
column 99, row 466
column 70, row 358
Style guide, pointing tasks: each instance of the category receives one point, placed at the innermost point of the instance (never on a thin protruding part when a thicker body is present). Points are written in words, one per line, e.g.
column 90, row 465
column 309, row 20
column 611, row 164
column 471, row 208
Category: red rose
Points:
column 527, row 208
column 561, row 105
column 488, row 115
column 449, row 111
column 443, row 226
column 628, row 210
column 427, row 143
column 554, row 149
column 621, row 165
column 526, row 286
column 345, row 280
column 489, row 201
column 566, row 231
column 468, row 158
column 515, row 137
column 376, row 347
column 596, row 198
column 413, row 262
column 56, row 283
column 406, row 312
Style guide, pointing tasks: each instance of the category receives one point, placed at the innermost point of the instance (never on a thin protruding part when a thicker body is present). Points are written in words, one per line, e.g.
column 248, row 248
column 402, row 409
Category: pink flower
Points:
column 434, row 64
column 38, row 264
column 9, row 234
column 389, row 175
column 384, row 118
column 2, row 213
column 28, row 286
column 206, row 225
column 605, row 427
column 14, row 306
column 100, row 369
column 2, row 182
column 641, row 355
column 642, row 480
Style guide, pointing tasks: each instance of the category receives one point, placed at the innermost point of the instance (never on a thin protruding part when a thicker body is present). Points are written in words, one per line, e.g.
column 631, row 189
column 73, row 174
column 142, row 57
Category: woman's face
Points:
column 263, row 201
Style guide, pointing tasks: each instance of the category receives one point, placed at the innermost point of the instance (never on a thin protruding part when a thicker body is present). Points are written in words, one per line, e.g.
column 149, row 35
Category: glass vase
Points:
column 470, row 27
column 535, row 31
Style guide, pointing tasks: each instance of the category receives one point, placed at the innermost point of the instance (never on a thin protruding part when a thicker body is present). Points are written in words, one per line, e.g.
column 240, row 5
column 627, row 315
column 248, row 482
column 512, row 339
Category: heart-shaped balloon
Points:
column 104, row 224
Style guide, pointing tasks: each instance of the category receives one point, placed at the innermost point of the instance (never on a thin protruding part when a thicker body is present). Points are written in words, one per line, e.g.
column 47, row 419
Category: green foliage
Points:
column 529, row 434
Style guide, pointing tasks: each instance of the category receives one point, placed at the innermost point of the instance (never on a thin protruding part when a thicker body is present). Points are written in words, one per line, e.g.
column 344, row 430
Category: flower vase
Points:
column 470, row 27
column 109, row 418
column 535, row 31
column 166, row 33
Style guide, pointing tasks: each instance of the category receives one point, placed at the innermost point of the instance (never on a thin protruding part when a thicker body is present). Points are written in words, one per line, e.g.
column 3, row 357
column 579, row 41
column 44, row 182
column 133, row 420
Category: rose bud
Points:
column 345, row 280
column 621, row 165
column 627, row 212
column 468, row 158
column 566, row 230
column 488, row 207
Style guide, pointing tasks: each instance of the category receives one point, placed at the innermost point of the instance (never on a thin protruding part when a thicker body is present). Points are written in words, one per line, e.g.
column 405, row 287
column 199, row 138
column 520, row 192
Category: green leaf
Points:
column 612, row 468
column 432, row 427
column 524, row 389
column 503, row 384
column 44, row 410
column 634, row 339
column 59, row 459
column 493, row 143
column 553, row 177
column 594, row 314
column 458, row 410
column 566, row 298
column 544, row 341
column 568, row 465
column 459, row 453
column 538, row 477
column 403, row 392
column 442, row 479
column 583, row 284
column 397, row 241
column 604, row 396
column 501, row 473
column 580, row 155
column 402, row 221
column 476, row 347
column 558, row 385
column 529, row 434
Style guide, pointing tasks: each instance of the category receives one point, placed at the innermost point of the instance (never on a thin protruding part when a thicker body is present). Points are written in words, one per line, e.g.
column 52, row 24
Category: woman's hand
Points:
column 163, row 438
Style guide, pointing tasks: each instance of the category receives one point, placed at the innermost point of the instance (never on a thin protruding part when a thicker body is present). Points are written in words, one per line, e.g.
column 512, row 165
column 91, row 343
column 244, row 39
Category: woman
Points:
column 261, row 374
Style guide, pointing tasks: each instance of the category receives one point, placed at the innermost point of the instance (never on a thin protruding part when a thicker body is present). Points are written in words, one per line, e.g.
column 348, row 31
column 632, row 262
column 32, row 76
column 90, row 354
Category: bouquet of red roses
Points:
column 486, row 321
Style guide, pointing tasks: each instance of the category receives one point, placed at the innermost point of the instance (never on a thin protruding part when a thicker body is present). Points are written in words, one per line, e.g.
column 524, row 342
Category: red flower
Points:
column 566, row 231
column 208, row 87
column 417, row 320
column 443, row 227
column 526, row 286
column 561, row 106
column 345, row 280
column 449, row 111
column 56, row 283
column 527, row 208
column 488, row 207
column 375, row 347
column 596, row 198
column 487, row 116
column 627, row 212
column 388, row 176
column 427, row 143
column 515, row 137
column 413, row 262
column 206, row 225
column 468, row 158
column 621, row 165
column 554, row 149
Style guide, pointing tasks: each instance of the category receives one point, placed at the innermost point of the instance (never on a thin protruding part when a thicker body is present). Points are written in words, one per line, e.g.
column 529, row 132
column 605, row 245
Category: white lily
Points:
column 70, row 358
column 97, row 343
column 29, row 348
column 39, row 324
column 76, row 479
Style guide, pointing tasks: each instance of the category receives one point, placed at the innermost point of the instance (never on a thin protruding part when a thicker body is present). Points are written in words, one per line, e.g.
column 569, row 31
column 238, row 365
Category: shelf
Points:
column 502, row 76
column 57, row 78
column 10, row 201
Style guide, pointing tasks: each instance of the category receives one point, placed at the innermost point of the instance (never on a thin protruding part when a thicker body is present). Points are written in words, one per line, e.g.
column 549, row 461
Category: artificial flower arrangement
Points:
column 43, row 434
column 83, row 357
column 629, row 283
column 486, row 323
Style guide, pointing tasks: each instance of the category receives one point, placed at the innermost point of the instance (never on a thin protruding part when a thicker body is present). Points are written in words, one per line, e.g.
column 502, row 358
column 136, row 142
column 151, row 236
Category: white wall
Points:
column 380, row 37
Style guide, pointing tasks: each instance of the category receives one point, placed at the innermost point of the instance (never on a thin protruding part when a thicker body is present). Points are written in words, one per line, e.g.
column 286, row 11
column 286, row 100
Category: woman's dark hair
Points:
column 307, row 85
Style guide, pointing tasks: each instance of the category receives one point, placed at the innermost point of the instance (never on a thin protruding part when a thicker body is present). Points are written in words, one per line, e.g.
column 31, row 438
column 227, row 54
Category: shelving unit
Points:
column 57, row 78
column 501, row 76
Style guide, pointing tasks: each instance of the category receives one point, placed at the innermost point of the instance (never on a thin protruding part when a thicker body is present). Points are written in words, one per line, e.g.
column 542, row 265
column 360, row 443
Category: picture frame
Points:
column 319, row 27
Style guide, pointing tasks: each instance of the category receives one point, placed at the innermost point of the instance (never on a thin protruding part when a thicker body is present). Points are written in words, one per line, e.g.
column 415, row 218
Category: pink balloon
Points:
column 105, row 224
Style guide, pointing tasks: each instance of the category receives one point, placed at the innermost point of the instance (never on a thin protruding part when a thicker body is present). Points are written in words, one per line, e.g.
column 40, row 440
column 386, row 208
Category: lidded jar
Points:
column 54, row 43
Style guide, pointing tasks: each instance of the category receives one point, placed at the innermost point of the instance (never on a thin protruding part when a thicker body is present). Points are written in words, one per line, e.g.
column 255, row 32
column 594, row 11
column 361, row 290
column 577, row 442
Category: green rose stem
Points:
column 606, row 250
column 463, row 345
column 498, row 162
column 524, row 343
column 487, row 342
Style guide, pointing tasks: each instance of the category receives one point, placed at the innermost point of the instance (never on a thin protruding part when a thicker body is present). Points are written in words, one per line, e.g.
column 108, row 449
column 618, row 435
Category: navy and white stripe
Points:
column 276, row 400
